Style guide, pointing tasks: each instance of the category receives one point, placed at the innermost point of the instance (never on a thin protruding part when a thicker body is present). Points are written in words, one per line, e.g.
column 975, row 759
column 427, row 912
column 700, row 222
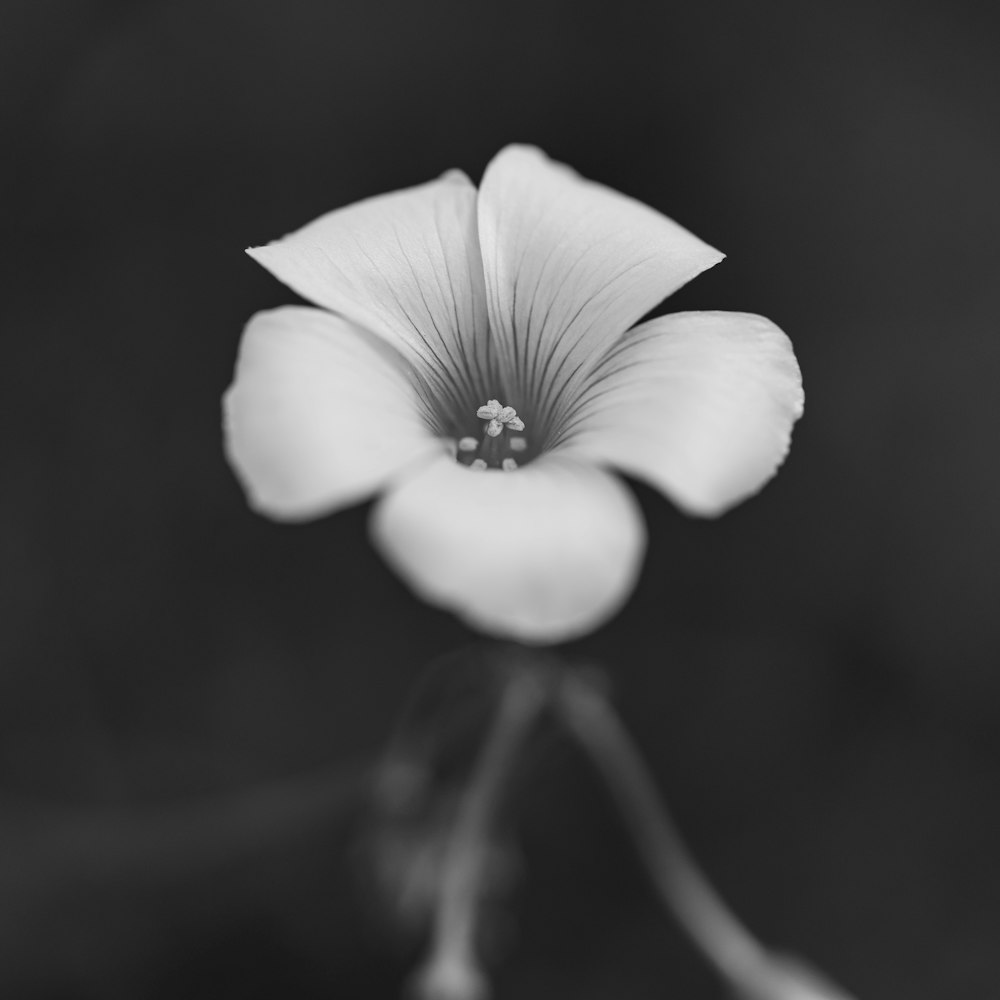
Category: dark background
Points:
column 188, row 691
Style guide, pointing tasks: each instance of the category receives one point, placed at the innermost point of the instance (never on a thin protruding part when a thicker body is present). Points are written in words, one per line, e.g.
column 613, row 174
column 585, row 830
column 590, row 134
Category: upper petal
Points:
column 407, row 266
column 320, row 414
column 699, row 404
column 570, row 265
column 541, row 554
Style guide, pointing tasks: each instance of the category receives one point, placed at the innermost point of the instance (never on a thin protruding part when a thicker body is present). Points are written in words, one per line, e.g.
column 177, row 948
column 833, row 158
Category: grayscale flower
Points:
column 474, row 363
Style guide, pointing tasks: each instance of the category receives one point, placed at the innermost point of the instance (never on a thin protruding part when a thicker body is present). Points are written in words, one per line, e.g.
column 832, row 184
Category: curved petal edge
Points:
column 570, row 265
column 541, row 555
column 699, row 404
column 320, row 414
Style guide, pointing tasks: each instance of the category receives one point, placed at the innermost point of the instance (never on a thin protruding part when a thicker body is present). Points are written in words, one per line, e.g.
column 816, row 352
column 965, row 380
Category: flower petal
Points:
column 406, row 266
column 320, row 414
column 540, row 554
column 699, row 404
column 570, row 265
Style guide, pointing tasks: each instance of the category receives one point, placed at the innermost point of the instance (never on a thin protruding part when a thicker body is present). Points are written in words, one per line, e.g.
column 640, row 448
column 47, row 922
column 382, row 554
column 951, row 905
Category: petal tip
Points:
column 259, row 254
column 456, row 176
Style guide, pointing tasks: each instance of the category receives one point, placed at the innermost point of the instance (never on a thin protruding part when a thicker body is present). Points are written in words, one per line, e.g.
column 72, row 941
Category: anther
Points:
column 499, row 417
column 508, row 465
column 478, row 464
column 490, row 410
column 468, row 444
column 516, row 444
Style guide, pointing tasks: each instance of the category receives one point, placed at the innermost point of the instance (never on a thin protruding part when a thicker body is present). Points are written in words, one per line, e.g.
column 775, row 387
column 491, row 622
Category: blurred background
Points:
column 190, row 695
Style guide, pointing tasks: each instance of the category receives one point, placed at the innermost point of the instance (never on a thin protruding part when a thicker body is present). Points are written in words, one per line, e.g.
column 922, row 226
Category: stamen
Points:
column 490, row 410
column 499, row 417
column 493, row 451
column 509, row 417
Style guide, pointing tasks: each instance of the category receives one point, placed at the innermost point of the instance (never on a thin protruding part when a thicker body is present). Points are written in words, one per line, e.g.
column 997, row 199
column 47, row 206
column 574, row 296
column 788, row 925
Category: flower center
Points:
column 501, row 439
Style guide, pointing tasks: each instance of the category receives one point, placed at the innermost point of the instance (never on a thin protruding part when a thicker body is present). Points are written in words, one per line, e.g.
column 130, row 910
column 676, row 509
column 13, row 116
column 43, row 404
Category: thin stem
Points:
column 452, row 970
column 752, row 971
column 683, row 888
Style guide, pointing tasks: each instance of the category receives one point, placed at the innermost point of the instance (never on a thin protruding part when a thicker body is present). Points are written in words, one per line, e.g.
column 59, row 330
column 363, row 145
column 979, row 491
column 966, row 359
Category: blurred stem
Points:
column 684, row 889
column 452, row 970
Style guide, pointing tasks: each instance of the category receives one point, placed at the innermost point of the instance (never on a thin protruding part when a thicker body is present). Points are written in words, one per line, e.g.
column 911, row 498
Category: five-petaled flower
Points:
column 476, row 364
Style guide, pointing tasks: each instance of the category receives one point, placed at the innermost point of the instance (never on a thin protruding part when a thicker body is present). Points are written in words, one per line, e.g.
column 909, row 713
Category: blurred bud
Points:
column 400, row 785
column 407, row 855
column 428, row 769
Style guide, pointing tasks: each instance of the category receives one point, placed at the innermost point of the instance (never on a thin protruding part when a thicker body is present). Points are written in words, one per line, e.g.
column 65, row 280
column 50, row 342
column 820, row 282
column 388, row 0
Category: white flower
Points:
column 473, row 364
